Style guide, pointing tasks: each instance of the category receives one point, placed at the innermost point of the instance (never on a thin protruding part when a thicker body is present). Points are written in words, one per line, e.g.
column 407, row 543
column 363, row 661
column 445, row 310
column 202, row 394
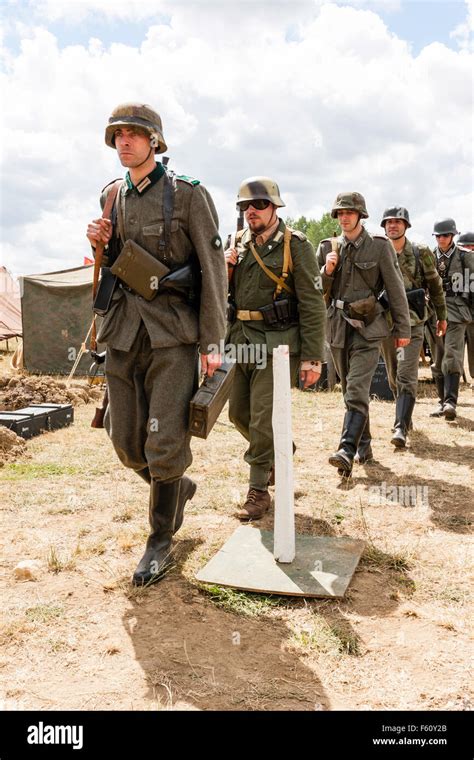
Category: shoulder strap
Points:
column 168, row 208
column 287, row 265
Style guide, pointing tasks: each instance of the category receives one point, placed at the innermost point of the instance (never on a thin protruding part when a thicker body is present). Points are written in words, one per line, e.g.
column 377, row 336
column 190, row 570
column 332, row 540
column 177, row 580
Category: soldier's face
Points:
column 133, row 146
column 395, row 228
column 444, row 242
column 259, row 220
column 348, row 219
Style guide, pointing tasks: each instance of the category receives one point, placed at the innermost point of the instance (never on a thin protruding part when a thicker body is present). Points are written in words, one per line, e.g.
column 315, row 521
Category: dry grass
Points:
column 82, row 636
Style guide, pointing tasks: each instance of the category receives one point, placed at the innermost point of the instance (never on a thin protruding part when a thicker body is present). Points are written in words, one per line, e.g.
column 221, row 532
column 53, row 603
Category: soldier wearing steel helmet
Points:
column 275, row 299
column 354, row 275
column 418, row 267
column 456, row 268
column 465, row 242
column 152, row 345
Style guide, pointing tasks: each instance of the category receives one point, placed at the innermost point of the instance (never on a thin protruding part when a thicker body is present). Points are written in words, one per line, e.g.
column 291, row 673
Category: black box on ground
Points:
column 58, row 415
column 25, row 425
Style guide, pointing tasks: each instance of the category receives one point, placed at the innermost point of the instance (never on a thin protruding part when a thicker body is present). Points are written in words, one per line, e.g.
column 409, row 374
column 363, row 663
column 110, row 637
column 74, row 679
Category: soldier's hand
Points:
column 331, row 262
column 209, row 363
column 231, row 256
column 441, row 327
column 310, row 376
column 99, row 231
column 401, row 342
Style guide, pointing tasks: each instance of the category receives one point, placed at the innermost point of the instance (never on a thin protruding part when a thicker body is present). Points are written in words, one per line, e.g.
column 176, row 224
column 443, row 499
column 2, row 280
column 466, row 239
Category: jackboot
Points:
column 164, row 503
column 186, row 493
column 440, row 388
column 403, row 412
column 354, row 423
column 451, row 391
column 364, row 450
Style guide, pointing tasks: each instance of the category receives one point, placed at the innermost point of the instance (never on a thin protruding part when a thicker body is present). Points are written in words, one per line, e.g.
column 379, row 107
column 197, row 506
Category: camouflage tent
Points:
column 10, row 309
column 56, row 312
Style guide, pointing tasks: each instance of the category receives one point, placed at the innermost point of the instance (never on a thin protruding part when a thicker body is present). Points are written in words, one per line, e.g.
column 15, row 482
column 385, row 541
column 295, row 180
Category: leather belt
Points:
column 249, row 316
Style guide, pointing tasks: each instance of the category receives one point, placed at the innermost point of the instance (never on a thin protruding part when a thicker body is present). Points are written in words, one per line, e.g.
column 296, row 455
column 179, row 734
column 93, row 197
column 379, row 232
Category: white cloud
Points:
column 321, row 98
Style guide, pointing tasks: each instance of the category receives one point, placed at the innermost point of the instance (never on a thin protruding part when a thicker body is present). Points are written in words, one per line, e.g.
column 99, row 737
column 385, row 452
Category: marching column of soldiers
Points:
column 370, row 293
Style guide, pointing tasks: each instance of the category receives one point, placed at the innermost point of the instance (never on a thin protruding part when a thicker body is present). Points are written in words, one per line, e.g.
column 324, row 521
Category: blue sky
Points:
column 321, row 96
column 420, row 22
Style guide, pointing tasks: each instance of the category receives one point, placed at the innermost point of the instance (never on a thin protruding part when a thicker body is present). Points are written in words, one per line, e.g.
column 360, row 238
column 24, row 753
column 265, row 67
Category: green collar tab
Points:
column 148, row 181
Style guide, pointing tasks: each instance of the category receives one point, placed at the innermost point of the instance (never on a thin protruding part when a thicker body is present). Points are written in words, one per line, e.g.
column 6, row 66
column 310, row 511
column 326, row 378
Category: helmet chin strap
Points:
column 146, row 159
column 272, row 220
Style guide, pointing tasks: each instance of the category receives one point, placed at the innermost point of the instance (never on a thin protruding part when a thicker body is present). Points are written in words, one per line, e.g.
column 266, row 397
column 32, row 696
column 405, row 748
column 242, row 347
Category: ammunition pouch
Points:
column 105, row 291
column 280, row 314
column 139, row 270
column 416, row 301
column 363, row 309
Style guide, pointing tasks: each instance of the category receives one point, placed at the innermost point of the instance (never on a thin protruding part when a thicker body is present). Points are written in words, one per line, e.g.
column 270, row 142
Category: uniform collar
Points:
column 357, row 242
column 268, row 234
column 447, row 253
column 147, row 182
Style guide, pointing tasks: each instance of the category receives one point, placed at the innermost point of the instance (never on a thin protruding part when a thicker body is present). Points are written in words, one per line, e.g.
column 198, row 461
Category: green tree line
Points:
column 316, row 230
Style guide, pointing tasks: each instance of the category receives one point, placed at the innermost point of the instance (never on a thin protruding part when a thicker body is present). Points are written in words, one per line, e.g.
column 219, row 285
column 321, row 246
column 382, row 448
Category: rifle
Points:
column 98, row 421
column 240, row 226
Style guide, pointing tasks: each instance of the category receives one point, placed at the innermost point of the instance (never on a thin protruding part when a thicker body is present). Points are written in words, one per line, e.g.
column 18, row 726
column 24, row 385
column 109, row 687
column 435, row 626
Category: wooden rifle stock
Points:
column 98, row 421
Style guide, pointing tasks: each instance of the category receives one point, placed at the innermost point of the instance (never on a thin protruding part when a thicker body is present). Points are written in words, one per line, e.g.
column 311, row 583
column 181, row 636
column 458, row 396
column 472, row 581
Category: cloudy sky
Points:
column 374, row 96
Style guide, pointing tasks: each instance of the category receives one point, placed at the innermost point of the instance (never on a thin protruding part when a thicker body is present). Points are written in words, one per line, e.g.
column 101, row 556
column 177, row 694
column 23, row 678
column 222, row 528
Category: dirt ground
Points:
column 80, row 637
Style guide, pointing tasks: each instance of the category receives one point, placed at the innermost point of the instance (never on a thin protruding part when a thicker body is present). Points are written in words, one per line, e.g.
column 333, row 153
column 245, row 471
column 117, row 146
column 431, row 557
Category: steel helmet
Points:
column 137, row 115
column 350, row 201
column 395, row 212
column 445, row 227
column 260, row 188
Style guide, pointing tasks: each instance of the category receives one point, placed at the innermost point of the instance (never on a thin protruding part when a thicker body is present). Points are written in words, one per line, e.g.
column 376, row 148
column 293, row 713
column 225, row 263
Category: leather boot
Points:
column 256, row 504
column 440, row 388
column 164, row 502
column 354, row 423
column 403, row 412
column 364, row 449
column 186, row 493
column 451, row 390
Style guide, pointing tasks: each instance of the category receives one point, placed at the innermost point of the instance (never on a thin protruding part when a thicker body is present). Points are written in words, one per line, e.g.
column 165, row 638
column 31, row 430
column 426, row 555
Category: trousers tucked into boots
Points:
column 451, row 391
column 403, row 412
column 364, row 449
column 166, row 511
column 354, row 423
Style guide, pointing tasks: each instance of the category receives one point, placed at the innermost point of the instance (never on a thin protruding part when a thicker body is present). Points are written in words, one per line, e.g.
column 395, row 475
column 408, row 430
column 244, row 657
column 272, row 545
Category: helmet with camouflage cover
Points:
column 350, row 201
column 467, row 238
column 445, row 227
column 260, row 188
column 136, row 115
column 395, row 212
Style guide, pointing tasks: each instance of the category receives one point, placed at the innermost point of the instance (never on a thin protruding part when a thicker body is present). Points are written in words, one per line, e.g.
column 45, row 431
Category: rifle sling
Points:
column 287, row 265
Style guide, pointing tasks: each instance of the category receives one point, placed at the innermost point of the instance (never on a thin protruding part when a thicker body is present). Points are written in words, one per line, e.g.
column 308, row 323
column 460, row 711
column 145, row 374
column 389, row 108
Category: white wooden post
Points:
column 284, row 532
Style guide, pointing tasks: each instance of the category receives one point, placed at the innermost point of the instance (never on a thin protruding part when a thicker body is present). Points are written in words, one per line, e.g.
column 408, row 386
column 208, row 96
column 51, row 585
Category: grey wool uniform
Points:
column 456, row 267
column 152, row 346
column 418, row 268
column 366, row 266
column 251, row 400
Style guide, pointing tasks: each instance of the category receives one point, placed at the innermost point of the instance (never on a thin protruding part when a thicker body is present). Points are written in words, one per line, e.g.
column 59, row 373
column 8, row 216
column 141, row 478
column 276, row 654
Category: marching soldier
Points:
column 275, row 299
column 418, row 268
column 354, row 275
column 164, row 222
column 465, row 242
column 456, row 268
